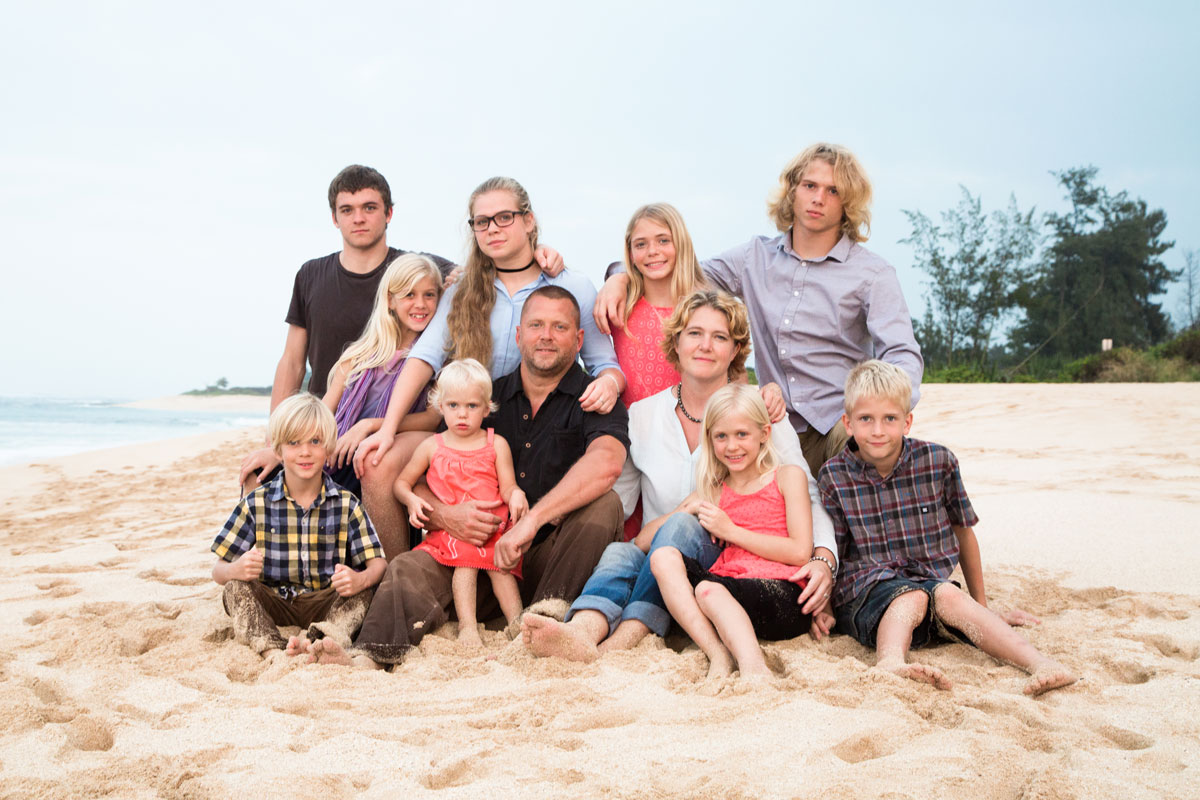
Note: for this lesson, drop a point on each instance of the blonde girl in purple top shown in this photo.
(360, 383)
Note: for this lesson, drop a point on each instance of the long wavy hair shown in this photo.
(854, 189)
(383, 332)
(468, 322)
(735, 398)
(687, 275)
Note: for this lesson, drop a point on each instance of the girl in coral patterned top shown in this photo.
(761, 513)
(466, 463)
(662, 269)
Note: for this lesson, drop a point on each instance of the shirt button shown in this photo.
(792, 378)
(795, 294)
(527, 445)
(787, 322)
(522, 474)
(524, 416)
(782, 351)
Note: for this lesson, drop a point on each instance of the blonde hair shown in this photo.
(686, 275)
(468, 327)
(383, 332)
(466, 373)
(853, 186)
(735, 315)
(878, 379)
(299, 417)
(736, 398)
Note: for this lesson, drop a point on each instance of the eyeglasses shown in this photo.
(503, 219)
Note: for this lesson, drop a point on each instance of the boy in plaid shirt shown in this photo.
(298, 550)
(903, 521)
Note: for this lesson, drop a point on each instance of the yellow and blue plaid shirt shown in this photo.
(300, 546)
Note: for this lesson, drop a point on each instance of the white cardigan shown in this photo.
(662, 471)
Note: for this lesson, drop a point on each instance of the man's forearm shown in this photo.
(591, 476)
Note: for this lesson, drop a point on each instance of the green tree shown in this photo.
(1189, 304)
(976, 264)
(1100, 275)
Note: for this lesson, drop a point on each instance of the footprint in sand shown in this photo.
(1126, 671)
(1126, 740)
(453, 773)
(37, 617)
(601, 718)
(1169, 646)
(162, 576)
(89, 733)
(59, 587)
(61, 569)
(865, 747)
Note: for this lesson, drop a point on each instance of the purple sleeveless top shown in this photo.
(368, 396)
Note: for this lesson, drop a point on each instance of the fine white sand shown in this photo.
(118, 676)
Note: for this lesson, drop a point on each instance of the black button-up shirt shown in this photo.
(545, 446)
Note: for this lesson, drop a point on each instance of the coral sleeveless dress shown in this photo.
(763, 511)
(455, 476)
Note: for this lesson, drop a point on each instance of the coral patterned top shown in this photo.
(762, 512)
(455, 476)
(640, 354)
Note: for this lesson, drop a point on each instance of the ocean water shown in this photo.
(38, 427)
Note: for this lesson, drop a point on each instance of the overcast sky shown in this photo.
(164, 166)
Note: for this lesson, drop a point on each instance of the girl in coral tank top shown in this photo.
(761, 512)
(466, 463)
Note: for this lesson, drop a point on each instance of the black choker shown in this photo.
(679, 404)
(518, 269)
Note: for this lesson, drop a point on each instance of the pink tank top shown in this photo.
(762, 512)
(640, 354)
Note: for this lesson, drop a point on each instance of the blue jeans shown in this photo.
(623, 587)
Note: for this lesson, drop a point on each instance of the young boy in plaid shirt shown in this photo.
(298, 550)
(903, 521)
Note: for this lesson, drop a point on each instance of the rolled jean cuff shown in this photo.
(657, 619)
(592, 602)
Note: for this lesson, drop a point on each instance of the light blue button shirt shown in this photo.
(597, 352)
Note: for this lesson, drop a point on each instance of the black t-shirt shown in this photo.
(545, 446)
(333, 305)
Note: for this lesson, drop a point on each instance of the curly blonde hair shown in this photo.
(853, 186)
(735, 315)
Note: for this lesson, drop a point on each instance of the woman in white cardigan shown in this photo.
(707, 339)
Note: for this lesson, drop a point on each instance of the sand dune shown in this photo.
(119, 676)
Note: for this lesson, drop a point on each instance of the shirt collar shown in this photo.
(277, 492)
(839, 253)
(868, 471)
(572, 383)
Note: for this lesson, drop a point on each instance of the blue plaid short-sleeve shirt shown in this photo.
(899, 526)
(300, 546)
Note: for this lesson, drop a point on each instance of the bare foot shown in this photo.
(757, 674)
(719, 667)
(297, 645)
(468, 636)
(1047, 675)
(549, 637)
(922, 673)
(327, 651)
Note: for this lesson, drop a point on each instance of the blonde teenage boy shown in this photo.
(298, 550)
(903, 521)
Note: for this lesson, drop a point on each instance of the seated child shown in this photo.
(462, 463)
(298, 550)
(760, 511)
(902, 521)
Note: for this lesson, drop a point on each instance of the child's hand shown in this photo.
(418, 511)
(1017, 617)
(518, 504)
(715, 521)
(347, 443)
(248, 566)
(346, 581)
(822, 623)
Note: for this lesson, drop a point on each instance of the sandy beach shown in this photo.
(119, 676)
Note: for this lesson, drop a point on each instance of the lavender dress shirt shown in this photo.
(812, 320)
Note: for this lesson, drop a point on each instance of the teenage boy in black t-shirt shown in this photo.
(332, 296)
